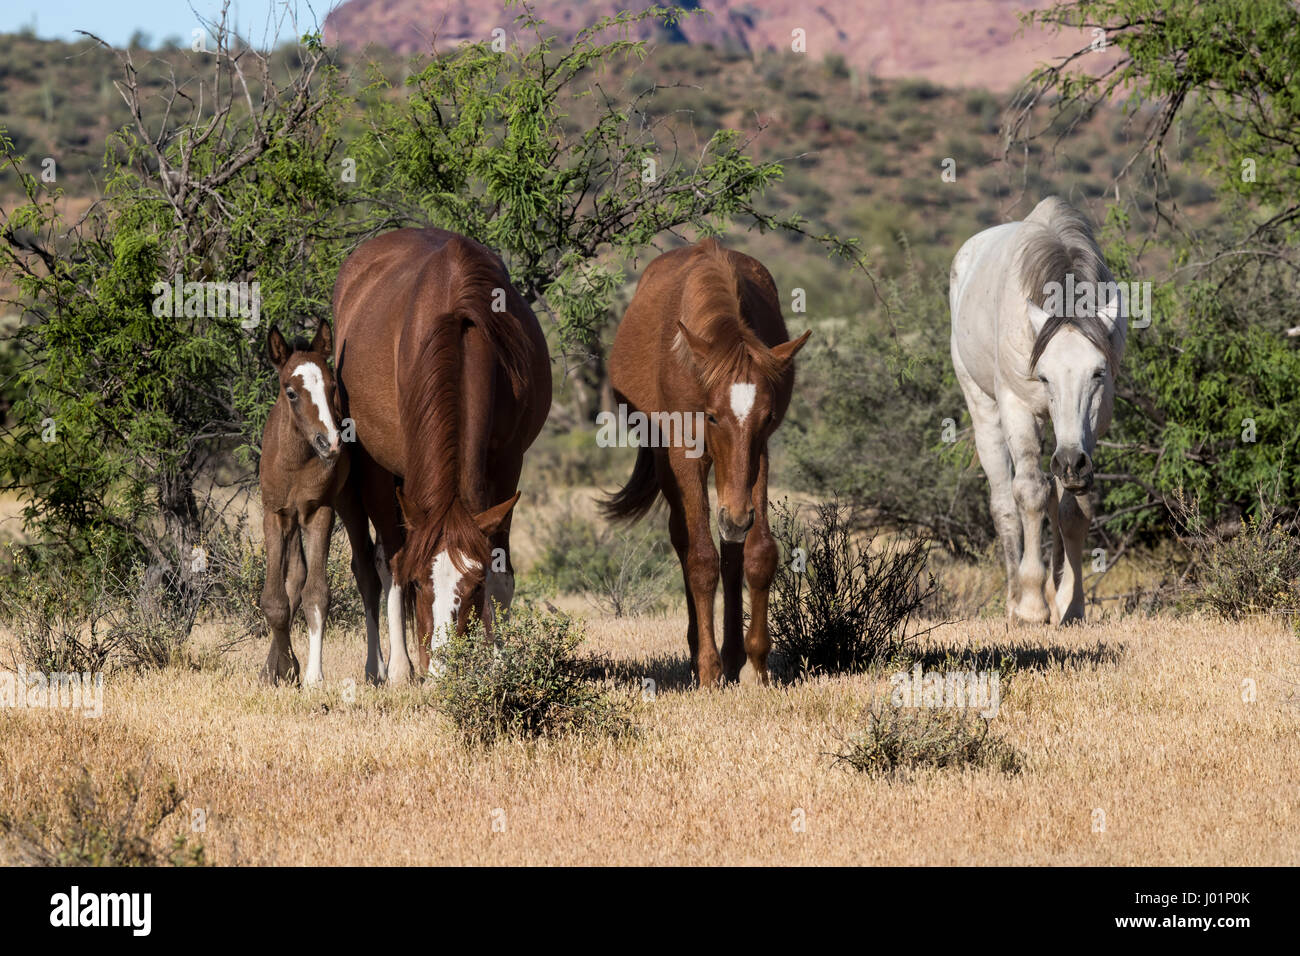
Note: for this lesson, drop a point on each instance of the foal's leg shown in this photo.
(317, 530)
(1031, 492)
(1075, 517)
(684, 483)
(279, 533)
(363, 570)
(761, 556)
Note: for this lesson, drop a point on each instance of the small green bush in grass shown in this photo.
(896, 741)
(528, 683)
(1253, 570)
(840, 605)
(100, 826)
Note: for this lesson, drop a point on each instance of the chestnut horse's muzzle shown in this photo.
(730, 530)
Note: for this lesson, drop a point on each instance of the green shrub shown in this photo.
(62, 620)
(1249, 569)
(526, 684)
(99, 827)
(623, 573)
(838, 605)
(897, 741)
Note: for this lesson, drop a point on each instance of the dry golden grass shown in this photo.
(1141, 718)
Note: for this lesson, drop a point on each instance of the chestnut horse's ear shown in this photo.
(324, 340)
(489, 522)
(788, 350)
(277, 348)
(699, 346)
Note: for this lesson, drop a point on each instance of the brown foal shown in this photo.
(704, 337)
(303, 468)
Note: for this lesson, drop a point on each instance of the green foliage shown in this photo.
(885, 393)
(525, 150)
(1250, 568)
(118, 408)
(838, 604)
(624, 573)
(896, 742)
(1225, 70)
(61, 617)
(527, 684)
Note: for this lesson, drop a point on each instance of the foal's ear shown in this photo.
(324, 339)
(786, 351)
(277, 348)
(490, 521)
(1038, 316)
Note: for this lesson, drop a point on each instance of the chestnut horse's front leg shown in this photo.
(761, 556)
(684, 484)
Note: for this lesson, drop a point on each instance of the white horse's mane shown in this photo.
(1062, 243)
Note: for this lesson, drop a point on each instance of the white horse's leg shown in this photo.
(1031, 491)
(1058, 552)
(991, 445)
(1074, 515)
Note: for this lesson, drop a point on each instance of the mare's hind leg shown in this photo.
(317, 530)
(280, 533)
(357, 526)
(995, 458)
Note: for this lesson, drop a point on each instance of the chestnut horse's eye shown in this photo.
(712, 418)
(293, 396)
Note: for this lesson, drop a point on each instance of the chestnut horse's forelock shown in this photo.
(429, 387)
(711, 309)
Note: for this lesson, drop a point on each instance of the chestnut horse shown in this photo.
(303, 468)
(704, 337)
(445, 373)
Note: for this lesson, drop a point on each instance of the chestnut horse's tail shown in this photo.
(637, 497)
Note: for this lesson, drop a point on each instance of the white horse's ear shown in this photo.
(1110, 312)
(1038, 316)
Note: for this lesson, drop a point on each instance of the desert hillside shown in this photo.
(974, 43)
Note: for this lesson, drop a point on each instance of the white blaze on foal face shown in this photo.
(313, 383)
(742, 400)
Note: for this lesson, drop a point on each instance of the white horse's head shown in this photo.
(1074, 361)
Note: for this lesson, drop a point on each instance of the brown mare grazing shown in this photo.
(302, 470)
(704, 335)
(444, 370)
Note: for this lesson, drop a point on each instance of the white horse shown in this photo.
(1038, 333)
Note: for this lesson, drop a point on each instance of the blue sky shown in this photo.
(116, 20)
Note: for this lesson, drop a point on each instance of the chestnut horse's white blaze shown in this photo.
(1020, 368)
(742, 400)
(446, 579)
